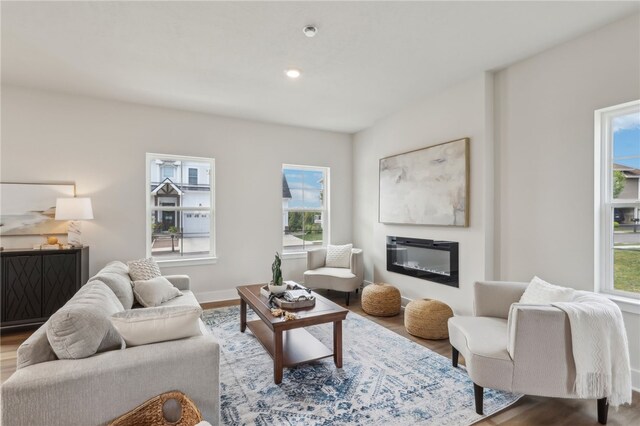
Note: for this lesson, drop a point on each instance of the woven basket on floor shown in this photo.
(382, 300)
(427, 318)
(151, 412)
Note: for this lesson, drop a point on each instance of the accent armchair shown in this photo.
(525, 348)
(318, 275)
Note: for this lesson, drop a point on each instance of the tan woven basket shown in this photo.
(382, 300)
(427, 319)
(151, 412)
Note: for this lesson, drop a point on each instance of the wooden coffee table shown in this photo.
(288, 342)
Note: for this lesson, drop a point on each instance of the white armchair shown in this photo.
(525, 348)
(318, 275)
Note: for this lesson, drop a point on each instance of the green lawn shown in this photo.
(627, 270)
(312, 236)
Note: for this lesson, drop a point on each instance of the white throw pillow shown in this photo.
(540, 292)
(150, 325)
(143, 269)
(153, 292)
(338, 256)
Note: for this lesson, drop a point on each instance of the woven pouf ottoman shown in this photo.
(381, 300)
(427, 318)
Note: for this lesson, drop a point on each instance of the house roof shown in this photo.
(628, 171)
(167, 187)
(286, 192)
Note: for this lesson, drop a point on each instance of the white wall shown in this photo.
(534, 215)
(101, 145)
(545, 156)
(461, 111)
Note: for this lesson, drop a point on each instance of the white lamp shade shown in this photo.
(74, 209)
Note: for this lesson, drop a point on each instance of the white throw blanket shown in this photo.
(600, 348)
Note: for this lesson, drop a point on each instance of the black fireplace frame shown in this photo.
(449, 246)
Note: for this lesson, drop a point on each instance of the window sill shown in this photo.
(171, 263)
(626, 304)
(296, 255)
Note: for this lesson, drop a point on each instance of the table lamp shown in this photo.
(74, 209)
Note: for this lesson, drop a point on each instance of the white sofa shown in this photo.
(319, 276)
(49, 391)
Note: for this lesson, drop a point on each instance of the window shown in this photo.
(180, 218)
(193, 176)
(167, 171)
(618, 199)
(305, 211)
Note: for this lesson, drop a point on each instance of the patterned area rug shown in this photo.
(386, 379)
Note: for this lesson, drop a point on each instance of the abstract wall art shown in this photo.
(428, 186)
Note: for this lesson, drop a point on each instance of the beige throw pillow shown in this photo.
(143, 269)
(339, 256)
(540, 292)
(150, 325)
(153, 292)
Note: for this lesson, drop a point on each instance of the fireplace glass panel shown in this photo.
(426, 259)
(423, 259)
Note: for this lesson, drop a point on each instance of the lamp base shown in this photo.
(74, 234)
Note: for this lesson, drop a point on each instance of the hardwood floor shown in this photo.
(530, 410)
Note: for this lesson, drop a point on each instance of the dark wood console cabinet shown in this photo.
(36, 283)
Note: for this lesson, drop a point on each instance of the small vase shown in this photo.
(277, 289)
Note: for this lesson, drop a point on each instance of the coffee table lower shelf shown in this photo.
(298, 345)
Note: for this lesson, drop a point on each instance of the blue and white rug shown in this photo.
(386, 379)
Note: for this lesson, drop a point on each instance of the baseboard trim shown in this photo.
(217, 295)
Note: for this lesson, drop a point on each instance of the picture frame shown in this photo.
(29, 208)
(426, 186)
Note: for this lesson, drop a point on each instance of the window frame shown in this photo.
(184, 261)
(325, 210)
(605, 205)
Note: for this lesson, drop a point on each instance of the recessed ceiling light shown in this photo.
(293, 73)
(310, 30)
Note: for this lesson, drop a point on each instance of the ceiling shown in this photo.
(368, 59)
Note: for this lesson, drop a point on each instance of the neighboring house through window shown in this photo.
(305, 211)
(618, 199)
(180, 217)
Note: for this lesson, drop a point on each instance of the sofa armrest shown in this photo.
(98, 389)
(494, 298)
(316, 258)
(181, 282)
(357, 264)
(539, 342)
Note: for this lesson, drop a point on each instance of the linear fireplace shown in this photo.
(431, 260)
